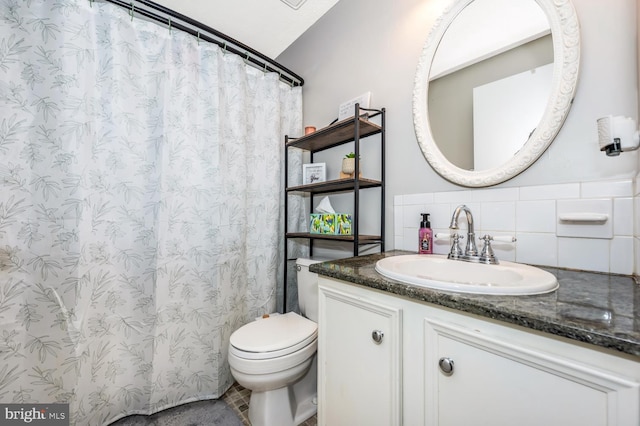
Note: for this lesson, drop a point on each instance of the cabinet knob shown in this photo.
(446, 365)
(377, 336)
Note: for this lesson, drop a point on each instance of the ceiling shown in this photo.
(268, 26)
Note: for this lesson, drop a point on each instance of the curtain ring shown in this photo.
(224, 48)
(246, 60)
(133, 10)
(198, 37)
(169, 24)
(91, 3)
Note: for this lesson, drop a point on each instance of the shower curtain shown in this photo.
(140, 208)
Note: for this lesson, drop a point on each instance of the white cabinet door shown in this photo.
(495, 383)
(359, 361)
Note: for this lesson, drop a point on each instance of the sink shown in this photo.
(438, 272)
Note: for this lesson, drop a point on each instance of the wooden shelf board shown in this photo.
(362, 239)
(336, 134)
(335, 186)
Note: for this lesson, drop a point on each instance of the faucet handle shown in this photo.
(456, 251)
(486, 254)
(446, 236)
(505, 239)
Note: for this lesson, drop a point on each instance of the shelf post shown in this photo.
(356, 182)
(286, 224)
(382, 178)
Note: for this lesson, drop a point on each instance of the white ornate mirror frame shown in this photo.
(566, 47)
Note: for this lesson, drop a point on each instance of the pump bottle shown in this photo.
(425, 236)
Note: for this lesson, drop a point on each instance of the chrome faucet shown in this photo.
(471, 250)
(470, 253)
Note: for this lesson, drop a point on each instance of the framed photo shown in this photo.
(313, 173)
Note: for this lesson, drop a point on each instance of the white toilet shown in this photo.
(275, 358)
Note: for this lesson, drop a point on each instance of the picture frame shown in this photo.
(314, 173)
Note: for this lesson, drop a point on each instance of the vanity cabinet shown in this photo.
(494, 382)
(359, 366)
(460, 369)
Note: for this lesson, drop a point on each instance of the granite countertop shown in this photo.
(595, 308)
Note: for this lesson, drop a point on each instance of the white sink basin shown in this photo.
(438, 272)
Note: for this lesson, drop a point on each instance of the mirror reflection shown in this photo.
(490, 82)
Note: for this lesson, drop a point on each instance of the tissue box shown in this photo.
(330, 223)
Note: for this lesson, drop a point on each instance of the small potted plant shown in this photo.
(349, 165)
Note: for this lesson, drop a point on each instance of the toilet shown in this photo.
(275, 358)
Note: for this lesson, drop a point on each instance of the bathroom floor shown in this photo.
(204, 413)
(237, 398)
(199, 413)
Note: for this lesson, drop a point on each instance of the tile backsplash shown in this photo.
(533, 215)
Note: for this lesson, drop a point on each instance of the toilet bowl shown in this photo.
(275, 358)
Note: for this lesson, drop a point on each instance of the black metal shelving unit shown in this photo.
(352, 129)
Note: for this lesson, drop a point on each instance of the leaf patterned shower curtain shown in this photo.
(140, 208)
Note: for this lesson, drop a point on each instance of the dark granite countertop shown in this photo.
(595, 308)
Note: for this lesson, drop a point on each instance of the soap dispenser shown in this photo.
(425, 235)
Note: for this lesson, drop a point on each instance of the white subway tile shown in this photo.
(636, 218)
(441, 245)
(398, 220)
(440, 215)
(499, 216)
(398, 242)
(584, 254)
(460, 197)
(496, 194)
(622, 188)
(622, 257)
(636, 247)
(574, 208)
(550, 192)
(503, 251)
(410, 239)
(411, 215)
(531, 214)
(623, 216)
(537, 249)
(418, 199)
(536, 216)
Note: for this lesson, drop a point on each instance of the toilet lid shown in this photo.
(274, 333)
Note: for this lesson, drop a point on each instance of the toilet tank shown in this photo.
(307, 288)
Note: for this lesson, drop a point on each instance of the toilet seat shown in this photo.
(273, 337)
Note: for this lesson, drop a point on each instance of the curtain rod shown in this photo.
(176, 20)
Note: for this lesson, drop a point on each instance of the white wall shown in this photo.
(636, 222)
(374, 45)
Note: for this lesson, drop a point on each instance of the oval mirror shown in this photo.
(493, 86)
